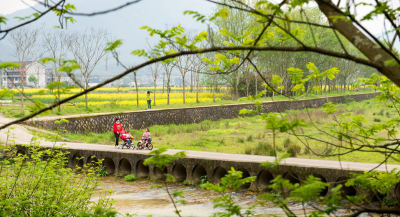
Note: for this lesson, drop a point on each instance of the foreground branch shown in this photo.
(182, 53)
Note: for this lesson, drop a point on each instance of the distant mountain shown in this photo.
(124, 24)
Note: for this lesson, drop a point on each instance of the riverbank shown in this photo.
(142, 199)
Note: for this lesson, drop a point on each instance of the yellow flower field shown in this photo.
(97, 99)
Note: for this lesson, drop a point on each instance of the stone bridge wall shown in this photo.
(100, 123)
(193, 170)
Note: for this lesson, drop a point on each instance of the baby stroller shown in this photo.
(128, 140)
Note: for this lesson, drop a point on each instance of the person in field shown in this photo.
(148, 100)
(117, 127)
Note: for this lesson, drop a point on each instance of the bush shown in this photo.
(287, 142)
(249, 138)
(32, 186)
(240, 140)
(102, 172)
(261, 149)
(293, 150)
(377, 120)
(130, 178)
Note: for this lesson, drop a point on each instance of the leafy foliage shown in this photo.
(31, 186)
(230, 182)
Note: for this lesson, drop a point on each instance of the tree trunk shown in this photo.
(155, 89)
(168, 89)
(22, 96)
(58, 98)
(247, 86)
(256, 84)
(197, 86)
(163, 82)
(237, 85)
(191, 81)
(364, 44)
(86, 96)
(137, 90)
(183, 87)
(214, 86)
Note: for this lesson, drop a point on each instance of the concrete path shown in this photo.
(20, 135)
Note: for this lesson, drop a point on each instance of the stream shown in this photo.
(143, 199)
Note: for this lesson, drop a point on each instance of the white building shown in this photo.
(32, 73)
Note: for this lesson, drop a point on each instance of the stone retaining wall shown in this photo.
(141, 119)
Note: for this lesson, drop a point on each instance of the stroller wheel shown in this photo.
(139, 145)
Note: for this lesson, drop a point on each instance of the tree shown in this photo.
(33, 79)
(136, 87)
(275, 20)
(154, 73)
(184, 64)
(56, 88)
(56, 48)
(88, 49)
(24, 42)
(168, 67)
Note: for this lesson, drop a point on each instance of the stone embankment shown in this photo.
(100, 123)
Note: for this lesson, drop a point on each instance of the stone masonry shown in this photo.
(100, 123)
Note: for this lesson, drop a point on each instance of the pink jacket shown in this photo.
(146, 135)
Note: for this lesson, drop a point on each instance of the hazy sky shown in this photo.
(10, 6)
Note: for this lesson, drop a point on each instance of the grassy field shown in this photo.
(249, 135)
(112, 100)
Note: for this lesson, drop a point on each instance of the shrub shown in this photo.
(287, 142)
(249, 138)
(377, 120)
(32, 186)
(293, 150)
(261, 149)
(102, 172)
(130, 178)
(248, 150)
(240, 140)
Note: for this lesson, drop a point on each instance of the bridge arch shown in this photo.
(158, 174)
(198, 173)
(142, 171)
(292, 177)
(92, 160)
(124, 167)
(323, 179)
(179, 172)
(347, 190)
(264, 179)
(218, 173)
(396, 192)
(77, 161)
(245, 174)
(109, 165)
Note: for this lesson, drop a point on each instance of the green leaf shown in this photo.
(113, 45)
(9, 65)
(3, 19)
(223, 13)
(46, 60)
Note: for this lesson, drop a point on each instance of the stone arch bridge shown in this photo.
(198, 165)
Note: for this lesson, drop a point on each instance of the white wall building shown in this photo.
(11, 78)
